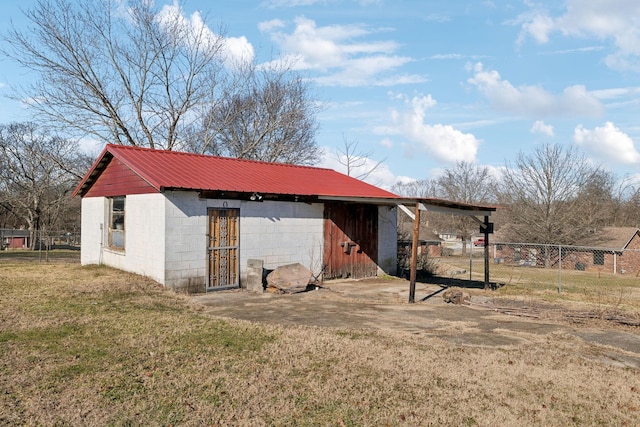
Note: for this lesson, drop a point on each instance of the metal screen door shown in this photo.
(223, 248)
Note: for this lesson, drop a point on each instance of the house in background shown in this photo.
(14, 239)
(191, 222)
(609, 249)
(429, 243)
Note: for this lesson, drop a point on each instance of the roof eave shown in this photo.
(631, 238)
(389, 201)
(84, 183)
(433, 205)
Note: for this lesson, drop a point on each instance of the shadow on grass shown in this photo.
(59, 255)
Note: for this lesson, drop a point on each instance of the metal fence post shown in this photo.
(470, 248)
(559, 268)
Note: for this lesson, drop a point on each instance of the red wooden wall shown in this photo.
(356, 226)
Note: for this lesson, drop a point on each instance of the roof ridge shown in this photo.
(209, 156)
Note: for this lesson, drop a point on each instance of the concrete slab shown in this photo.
(382, 304)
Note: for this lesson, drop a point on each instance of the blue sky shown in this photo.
(423, 84)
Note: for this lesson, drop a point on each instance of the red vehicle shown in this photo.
(478, 242)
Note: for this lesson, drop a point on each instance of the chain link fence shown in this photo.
(44, 239)
(558, 267)
(58, 239)
(48, 246)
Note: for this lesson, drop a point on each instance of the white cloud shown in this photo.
(90, 146)
(447, 56)
(443, 142)
(340, 52)
(236, 49)
(363, 71)
(387, 142)
(272, 4)
(542, 128)
(533, 100)
(434, 17)
(268, 26)
(615, 93)
(456, 56)
(538, 28)
(608, 143)
(576, 50)
(614, 20)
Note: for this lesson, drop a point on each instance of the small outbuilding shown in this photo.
(14, 239)
(192, 222)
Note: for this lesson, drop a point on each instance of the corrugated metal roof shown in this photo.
(12, 232)
(187, 171)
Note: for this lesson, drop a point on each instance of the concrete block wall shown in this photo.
(92, 223)
(144, 229)
(144, 235)
(186, 239)
(277, 233)
(166, 236)
(143, 226)
(280, 233)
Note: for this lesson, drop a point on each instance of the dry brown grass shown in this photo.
(596, 291)
(95, 346)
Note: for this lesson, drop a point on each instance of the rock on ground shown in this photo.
(456, 296)
(289, 278)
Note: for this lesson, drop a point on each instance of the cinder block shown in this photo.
(254, 271)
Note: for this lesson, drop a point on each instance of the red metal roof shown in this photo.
(187, 171)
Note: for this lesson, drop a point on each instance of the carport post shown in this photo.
(486, 252)
(414, 254)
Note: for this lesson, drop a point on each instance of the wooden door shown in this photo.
(222, 249)
(350, 240)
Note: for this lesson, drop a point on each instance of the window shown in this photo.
(116, 222)
(598, 258)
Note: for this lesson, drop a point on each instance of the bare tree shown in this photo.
(357, 162)
(123, 72)
(599, 204)
(631, 209)
(543, 192)
(127, 72)
(465, 183)
(37, 174)
(626, 203)
(265, 114)
(421, 188)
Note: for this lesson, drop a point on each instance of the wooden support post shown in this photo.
(414, 254)
(486, 252)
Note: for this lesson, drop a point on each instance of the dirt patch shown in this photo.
(378, 304)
